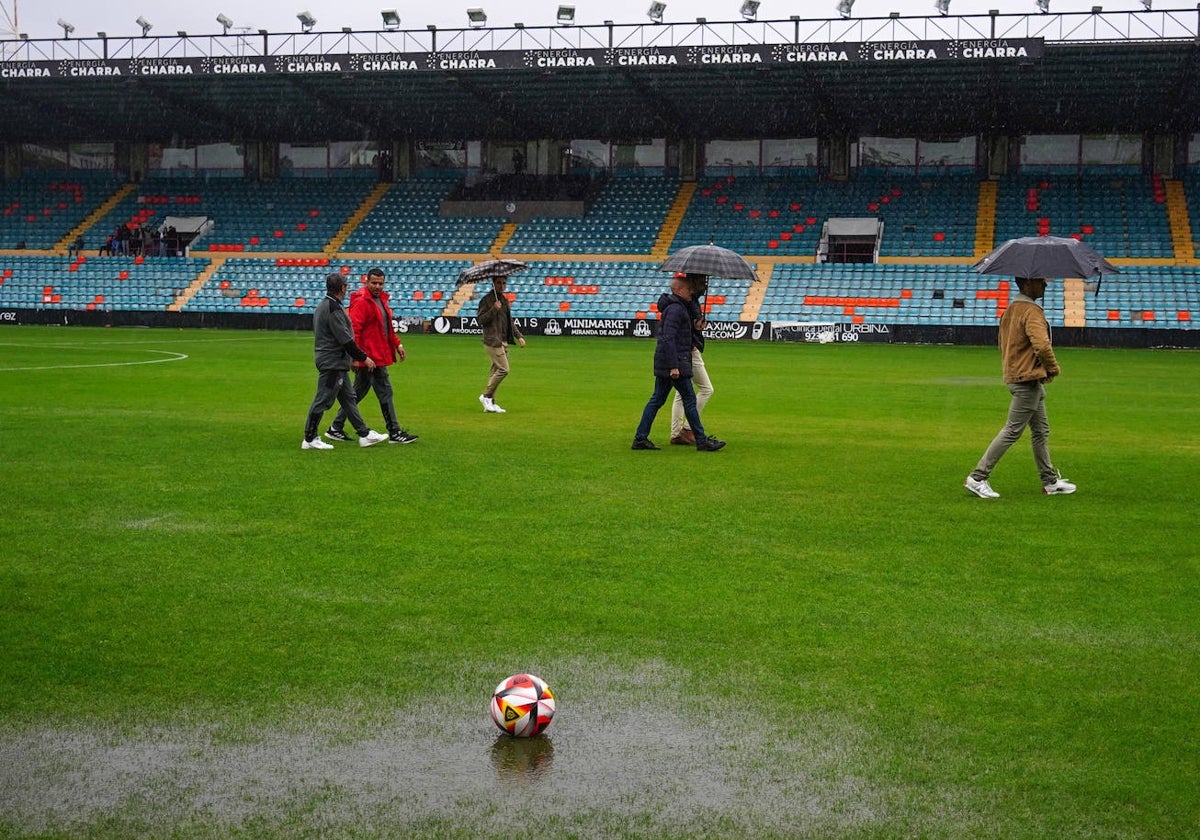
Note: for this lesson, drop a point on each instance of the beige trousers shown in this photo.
(704, 389)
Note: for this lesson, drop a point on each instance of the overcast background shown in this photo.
(38, 18)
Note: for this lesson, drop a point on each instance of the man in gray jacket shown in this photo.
(333, 350)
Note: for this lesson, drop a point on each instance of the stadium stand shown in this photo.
(89, 283)
(408, 219)
(783, 215)
(625, 219)
(41, 208)
(418, 288)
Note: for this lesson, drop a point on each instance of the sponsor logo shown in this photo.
(553, 327)
(642, 329)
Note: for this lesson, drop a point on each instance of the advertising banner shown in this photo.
(350, 64)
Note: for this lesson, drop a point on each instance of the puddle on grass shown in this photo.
(623, 757)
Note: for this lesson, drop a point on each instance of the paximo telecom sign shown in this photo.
(754, 55)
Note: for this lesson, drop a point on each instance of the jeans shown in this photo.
(662, 390)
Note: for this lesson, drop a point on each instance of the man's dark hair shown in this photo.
(375, 272)
(334, 283)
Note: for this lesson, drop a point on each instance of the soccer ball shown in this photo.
(522, 705)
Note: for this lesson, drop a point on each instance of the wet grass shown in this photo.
(813, 633)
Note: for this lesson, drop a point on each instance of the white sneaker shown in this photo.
(371, 438)
(486, 402)
(495, 409)
(1060, 486)
(981, 488)
(315, 443)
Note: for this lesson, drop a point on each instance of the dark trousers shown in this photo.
(662, 390)
(366, 380)
(333, 385)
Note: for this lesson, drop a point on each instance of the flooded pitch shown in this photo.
(625, 756)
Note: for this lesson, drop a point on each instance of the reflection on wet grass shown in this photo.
(522, 761)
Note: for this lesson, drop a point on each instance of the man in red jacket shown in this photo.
(371, 318)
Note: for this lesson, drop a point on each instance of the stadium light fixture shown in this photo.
(655, 12)
(307, 21)
(1097, 9)
(844, 7)
(66, 28)
(182, 33)
(391, 18)
(225, 22)
(943, 7)
(1146, 5)
(477, 18)
(145, 24)
(749, 9)
(566, 15)
(101, 34)
(1044, 6)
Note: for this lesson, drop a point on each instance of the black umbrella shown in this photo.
(1046, 256)
(711, 261)
(490, 269)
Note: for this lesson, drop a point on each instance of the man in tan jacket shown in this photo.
(1028, 358)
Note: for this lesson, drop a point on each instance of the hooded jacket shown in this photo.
(373, 330)
(674, 348)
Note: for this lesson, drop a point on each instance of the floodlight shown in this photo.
(1097, 9)
(145, 24)
(750, 9)
(1043, 6)
(101, 34)
(566, 15)
(655, 12)
(1146, 4)
(66, 28)
(225, 22)
(181, 33)
(943, 7)
(391, 19)
(844, 7)
(307, 21)
(477, 18)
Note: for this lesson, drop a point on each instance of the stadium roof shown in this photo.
(928, 86)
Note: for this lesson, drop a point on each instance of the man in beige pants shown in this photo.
(499, 331)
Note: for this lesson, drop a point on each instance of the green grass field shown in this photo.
(816, 632)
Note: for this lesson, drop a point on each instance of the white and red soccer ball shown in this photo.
(522, 705)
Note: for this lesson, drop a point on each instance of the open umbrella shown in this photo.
(489, 269)
(1046, 256)
(711, 261)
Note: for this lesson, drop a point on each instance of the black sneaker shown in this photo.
(709, 444)
(336, 434)
(402, 436)
(643, 443)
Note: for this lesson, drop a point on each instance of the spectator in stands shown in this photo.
(333, 349)
(681, 432)
(1028, 363)
(76, 247)
(499, 331)
(673, 368)
(107, 247)
(371, 318)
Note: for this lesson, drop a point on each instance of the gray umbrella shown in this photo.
(489, 269)
(1045, 256)
(711, 261)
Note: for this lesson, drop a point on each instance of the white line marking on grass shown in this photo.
(171, 357)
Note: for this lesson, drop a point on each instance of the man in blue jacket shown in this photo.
(673, 368)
